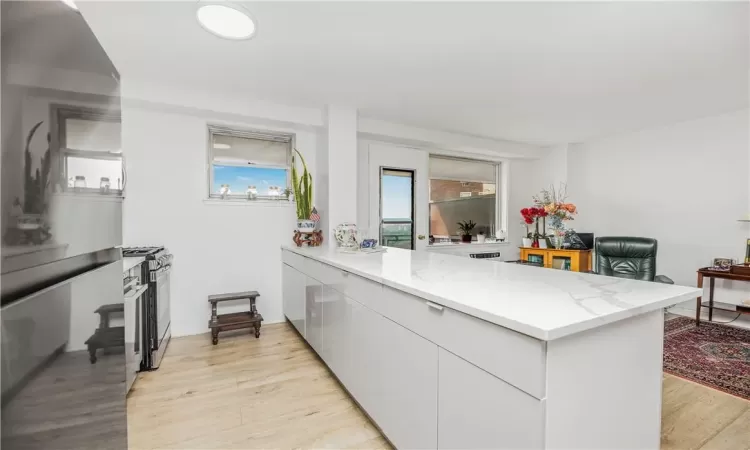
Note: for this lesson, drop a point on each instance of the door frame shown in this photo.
(413, 203)
(398, 157)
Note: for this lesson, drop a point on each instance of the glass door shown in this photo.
(561, 262)
(397, 208)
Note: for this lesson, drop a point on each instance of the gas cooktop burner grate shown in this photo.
(141, 251)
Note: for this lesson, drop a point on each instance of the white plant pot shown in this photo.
(306, 225)
(526, 242)
(481, 238)
(542, 243)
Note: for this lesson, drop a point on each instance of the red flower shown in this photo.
(528, 220)
(525, 212)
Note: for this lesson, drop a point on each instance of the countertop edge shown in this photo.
(129, 262)
(523, 328)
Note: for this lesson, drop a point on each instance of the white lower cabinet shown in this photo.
(480, 411)
(293, 296)
(421, 395)
(335, 331)
(394, 378)
(314, 314)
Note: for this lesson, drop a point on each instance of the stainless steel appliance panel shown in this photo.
(53, 396)
(134, 296)
(61, 324)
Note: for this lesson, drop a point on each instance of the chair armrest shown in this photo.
(663, 279)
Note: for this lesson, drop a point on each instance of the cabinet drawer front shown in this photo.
(362, 290)
(328, 275)
(293, 260)
(516, 358)
(355, 287)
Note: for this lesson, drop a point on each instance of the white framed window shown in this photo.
(248, 165)
(463, 190)
(89, 149)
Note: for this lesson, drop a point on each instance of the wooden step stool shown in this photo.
(105, 336)
(234, 321)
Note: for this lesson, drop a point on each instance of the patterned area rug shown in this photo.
(714, 355)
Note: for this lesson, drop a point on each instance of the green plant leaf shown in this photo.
(302, 186)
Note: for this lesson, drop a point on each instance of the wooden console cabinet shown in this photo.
(576, 260)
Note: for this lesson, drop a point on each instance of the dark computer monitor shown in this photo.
(588, 239)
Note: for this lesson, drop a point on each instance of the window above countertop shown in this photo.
(250, 166)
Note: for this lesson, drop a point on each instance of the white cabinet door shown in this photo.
(480, 411)
(394, 378)
(335, 333)
(314, 314)
(293, 296)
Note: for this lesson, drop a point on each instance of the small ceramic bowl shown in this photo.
(369, 243)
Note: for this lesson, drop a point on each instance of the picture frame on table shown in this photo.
(722, 263)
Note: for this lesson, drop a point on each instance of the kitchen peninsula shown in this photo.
(450, 352)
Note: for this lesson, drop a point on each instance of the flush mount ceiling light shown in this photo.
(71, 4)
(226, 20)
(222, 146)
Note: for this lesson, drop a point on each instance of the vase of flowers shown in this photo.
(557, 210)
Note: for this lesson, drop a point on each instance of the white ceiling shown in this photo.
(533, 72)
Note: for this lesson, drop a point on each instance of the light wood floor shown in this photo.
(274, 393)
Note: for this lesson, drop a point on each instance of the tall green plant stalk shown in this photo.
(302, 186)
(35, 185)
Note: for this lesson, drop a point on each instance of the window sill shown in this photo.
(466, 244)
(243, 202)
(92, 195)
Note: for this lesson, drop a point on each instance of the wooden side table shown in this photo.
(712, 275)
(580, 260)
(233, 321)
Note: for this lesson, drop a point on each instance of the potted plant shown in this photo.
(466, 228)
(531, 216)
(527, 240)
(302, 187)
(481, 237)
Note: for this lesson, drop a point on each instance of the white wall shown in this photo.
(683, 184)
(551, 168)
(341, 154)
(523, 184)
(218, 247)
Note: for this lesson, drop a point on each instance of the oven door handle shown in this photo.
(162, 270)
(136, 292)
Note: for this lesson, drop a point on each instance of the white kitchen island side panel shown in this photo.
(604, 386)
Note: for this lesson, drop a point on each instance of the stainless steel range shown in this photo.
(156, 302)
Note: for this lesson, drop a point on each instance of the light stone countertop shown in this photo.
(546, 304)
(129, 263)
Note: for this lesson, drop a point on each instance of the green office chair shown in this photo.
(628, 257)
